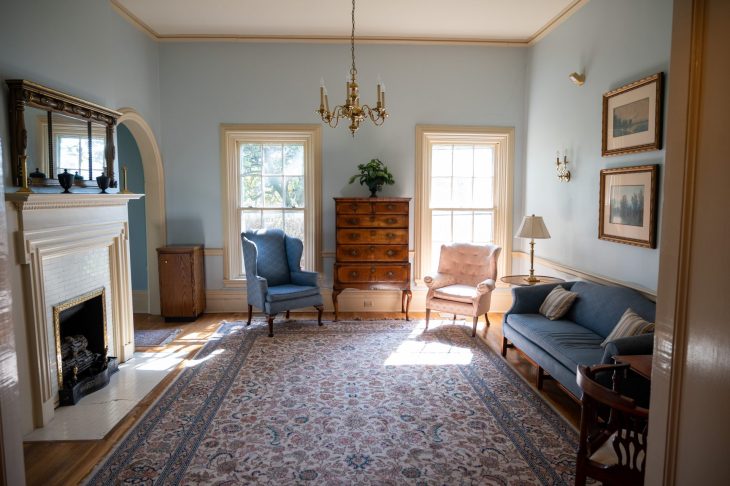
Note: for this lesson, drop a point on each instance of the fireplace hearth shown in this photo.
(82, 346)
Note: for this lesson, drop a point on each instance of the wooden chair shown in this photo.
(613, 429)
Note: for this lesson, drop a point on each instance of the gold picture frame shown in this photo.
(632, 117)
(627, 210)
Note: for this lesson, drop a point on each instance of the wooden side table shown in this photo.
(522, 281)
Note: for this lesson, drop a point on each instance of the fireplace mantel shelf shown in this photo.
(26, 201)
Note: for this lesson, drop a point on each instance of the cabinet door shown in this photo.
(176, 293)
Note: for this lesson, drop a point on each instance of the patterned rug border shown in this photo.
(184, 453)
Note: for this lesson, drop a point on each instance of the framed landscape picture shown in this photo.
(627, 208)
(632, 117)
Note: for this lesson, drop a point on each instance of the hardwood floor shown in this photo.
(67, 463)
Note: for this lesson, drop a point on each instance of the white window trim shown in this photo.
(231, 136)
(503, 139)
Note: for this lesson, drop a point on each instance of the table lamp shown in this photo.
(532, 227)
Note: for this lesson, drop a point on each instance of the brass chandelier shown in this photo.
(352, 109)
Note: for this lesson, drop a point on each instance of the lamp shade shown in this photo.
(533, 227)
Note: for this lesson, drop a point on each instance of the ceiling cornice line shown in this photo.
(309, 39)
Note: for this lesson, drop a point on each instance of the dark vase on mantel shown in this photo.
(103, 182)
(66, 180)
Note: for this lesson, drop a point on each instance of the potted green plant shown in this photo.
(373, 174)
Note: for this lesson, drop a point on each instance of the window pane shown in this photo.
(293, 159)
(441, 226)
(250, 220)
(483, 162)
(484, 227)
(69, 153)
(436, 253)
(463, 226)
(462, 192)
(251, 158)
(273, 192)
(251, 194)
(464, 160)
(294, 224)
(441, 192)
(294, 192)
(441, 160)
(483, 192)
(273, 219)
(272, 159)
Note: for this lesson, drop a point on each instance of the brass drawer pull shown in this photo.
(372, 269)
(353, 206)
(390, 236)
(390, 274)
(371, 248)
(353, 274)
(391, 221)
(354, 253)
(390, 252)
(354, 236)
(390, 206)
(353, 221)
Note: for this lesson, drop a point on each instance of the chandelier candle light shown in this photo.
(532, 227)
(352, 109)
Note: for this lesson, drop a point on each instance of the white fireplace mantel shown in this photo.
(65, 244)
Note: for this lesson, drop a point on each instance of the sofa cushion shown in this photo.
(567, 342)
(630, 324)
(599, 307)
(557, 303)
(457, 292)
(287, 292)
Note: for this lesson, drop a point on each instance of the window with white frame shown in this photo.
(271, 180)
(463, 191)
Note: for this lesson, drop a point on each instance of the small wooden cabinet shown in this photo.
(182, 281)
(372, 246)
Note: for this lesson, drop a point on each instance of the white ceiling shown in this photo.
(396, 20)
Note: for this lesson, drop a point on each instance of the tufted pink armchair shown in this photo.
(463, 285)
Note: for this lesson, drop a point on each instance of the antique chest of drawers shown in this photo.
(372, 246)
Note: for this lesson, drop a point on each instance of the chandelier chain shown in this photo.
(353, 69)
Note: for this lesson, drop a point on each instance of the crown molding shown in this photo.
(308, 39)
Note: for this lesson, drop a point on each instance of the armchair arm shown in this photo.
(641, 344)
(438, 280)
(304, 278)
(486, 286)
(527, 300)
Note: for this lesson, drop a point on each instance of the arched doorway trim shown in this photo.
(154, 189)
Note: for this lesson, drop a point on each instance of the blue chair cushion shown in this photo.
(599, 307)
(271, 262)
(280, 293)
(567, 342)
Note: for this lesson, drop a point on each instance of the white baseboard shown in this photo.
(351, 300)
(140, 302)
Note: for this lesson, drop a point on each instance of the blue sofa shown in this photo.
(558, 347)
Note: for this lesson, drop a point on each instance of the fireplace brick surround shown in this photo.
(65, 245)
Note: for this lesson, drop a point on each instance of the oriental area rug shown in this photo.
(357, 402)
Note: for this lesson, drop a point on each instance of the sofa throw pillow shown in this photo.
(630, 324)
(557, 303)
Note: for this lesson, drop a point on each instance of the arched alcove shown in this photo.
(154, 189)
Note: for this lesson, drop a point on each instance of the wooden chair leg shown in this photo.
(250, 313)
(504, 347)
(271, 324)
(474, 328)
(454, 319)
(540, 377)
(319, 308)
(428, 316)
(486, 318)
(287, 314)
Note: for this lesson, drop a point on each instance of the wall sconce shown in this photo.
(562, 168)
(577, 78)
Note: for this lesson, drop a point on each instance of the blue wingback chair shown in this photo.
(275, 279)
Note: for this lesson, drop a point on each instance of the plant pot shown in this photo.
(375, 188)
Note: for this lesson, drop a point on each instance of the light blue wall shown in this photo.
(128, 155)
(83, 48)
(614, 42)
(206, 84)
